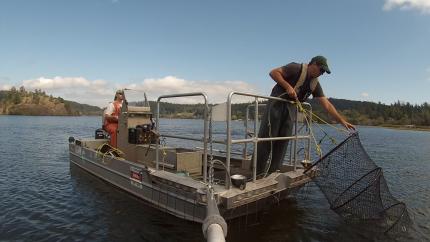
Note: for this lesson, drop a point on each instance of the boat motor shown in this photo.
(100, 134)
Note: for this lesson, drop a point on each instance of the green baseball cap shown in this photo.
(321, 61)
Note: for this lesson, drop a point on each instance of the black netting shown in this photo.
(356, 188)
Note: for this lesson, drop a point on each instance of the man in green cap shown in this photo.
(295, 82)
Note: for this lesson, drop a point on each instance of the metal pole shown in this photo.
(205, 139)
(245, 156)
(308, 158)
(205, 127)
(228, 141)
(254, 168)
(295, 139)
(215, 233)
(157, 127)
(290, 149)
(182, 137)
(237, 141)
(214, 226)
(245, 153)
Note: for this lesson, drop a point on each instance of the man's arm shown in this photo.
(333, 112)
(276, 75)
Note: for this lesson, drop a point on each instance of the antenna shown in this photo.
(146, 100)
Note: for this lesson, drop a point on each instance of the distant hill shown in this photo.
(22, 102)
(37, 103)
(370, 113)
(357, 112)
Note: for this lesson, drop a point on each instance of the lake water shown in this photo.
(44, 198)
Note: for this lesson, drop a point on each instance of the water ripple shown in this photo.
(44, 198)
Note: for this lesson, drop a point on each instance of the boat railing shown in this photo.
(255, 139)
(229, 141)
(203, 139)
(249, 134)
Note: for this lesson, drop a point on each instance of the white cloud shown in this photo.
(59, 82)
(5, 87)
(78, 89)
(364, 94)
(216, 91)
(100, 92)
(422, 5)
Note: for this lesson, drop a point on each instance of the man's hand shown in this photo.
(325, 103)
(347, 125)
(276, 75)
(291, 93)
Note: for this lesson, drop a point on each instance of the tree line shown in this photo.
(370, 113)
(357, 112)
(16, 96)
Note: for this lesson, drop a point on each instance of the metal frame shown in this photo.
(245, 147)
(204, 139)
(255, 139)
(229, 141)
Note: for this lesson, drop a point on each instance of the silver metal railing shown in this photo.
(228, 142)
(204, 139)
(245, 141)
(255, 139)
(245, 147)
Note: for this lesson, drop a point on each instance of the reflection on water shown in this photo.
(43, 197)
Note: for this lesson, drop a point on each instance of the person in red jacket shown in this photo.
(111, 117)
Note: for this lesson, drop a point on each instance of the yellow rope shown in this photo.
(307, 113)
(300, 107)
(333, 140)
(318, 147)
(331, 125)
(103, 155)
(98, 152)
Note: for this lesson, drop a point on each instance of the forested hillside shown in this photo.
(38, 103)
(369, 113)
(358, 112)
(22, 102)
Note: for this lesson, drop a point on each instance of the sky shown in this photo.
(378, 50)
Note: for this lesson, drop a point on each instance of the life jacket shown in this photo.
(313, 83)
(117, 109)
